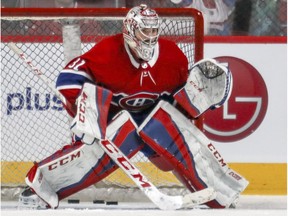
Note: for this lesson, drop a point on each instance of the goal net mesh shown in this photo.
(33, 122)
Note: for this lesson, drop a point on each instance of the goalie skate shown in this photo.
(29, 200)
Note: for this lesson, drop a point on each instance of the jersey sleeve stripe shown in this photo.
(71, 79)
(82, 73)
(69, 87)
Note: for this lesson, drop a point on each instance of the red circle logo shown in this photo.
(245, 110)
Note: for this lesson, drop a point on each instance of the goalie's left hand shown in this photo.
(208, 87)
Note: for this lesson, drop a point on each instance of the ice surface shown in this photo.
(72, 212)
(247, 206)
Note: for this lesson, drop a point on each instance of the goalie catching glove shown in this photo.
(208, 87)
(92, 98)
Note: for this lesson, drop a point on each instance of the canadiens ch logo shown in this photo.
(139, 101)
(246, 108)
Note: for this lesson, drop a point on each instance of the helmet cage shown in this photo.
(148, 36)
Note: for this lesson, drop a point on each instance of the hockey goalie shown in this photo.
(135, 90)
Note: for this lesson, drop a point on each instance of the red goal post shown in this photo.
(34, 124)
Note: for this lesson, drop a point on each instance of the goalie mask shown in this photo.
(141, 31)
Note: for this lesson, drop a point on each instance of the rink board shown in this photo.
(264, 178)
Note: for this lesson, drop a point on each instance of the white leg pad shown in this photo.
(210, 166)
(43, 189)
(71, 166)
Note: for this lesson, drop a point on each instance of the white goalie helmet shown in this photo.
(142, 30)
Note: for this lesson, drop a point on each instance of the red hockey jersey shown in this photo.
(135, 85)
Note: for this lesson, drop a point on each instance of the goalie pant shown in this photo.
(179, 147)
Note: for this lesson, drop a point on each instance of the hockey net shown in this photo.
(34, 124)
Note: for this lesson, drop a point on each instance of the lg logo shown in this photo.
(245, 110)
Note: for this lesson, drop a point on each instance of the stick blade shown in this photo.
(191, 200)
(198, 198)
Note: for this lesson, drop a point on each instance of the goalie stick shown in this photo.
(163, 201)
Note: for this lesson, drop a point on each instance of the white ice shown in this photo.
(247, 206)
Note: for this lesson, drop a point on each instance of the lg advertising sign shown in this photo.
(243, 113)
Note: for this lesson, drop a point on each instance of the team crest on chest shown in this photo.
(139, 101)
